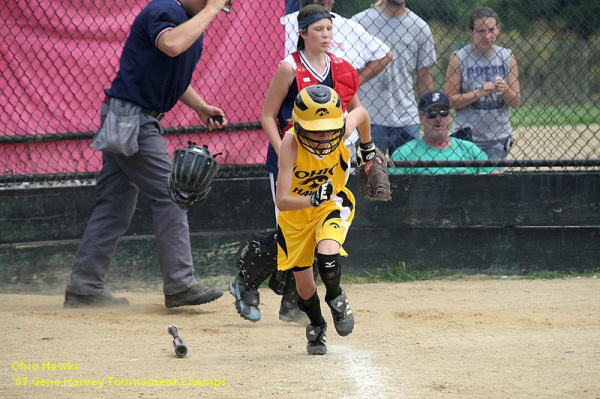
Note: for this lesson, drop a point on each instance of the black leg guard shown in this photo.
(257, 259)
(312, 308)
(331, 274)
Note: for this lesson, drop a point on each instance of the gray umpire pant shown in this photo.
(119, 182)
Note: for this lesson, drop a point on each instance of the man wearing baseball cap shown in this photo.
(436, 144)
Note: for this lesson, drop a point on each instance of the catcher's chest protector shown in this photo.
(345, 78)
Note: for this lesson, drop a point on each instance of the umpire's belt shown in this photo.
(154, 114)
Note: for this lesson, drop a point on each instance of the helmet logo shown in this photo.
(322, 112)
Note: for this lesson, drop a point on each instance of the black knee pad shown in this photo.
(329, 266)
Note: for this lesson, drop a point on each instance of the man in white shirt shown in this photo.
(389, 97)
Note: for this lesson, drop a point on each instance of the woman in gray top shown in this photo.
(482, 82)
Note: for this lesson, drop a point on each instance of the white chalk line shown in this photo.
(370, 380)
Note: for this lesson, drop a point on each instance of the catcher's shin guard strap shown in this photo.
(281, 281)
(257, 261)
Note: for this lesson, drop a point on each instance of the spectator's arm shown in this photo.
(424, 81)
(512, 95)
(374, 56)
(374, 68)
(425, 59)
(454, 82)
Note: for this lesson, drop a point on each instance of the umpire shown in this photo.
(156, 67)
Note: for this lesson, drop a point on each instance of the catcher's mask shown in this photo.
(318, 110)
(193, 170)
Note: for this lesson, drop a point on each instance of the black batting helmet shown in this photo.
(318, 109)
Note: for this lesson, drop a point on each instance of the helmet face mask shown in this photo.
(317, 146)
(318, 111)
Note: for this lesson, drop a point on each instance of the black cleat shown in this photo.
(317, 339)
(195, 295)
(289, 311)
(343, 318)
(103, 299)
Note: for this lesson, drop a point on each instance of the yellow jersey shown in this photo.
(301, 230)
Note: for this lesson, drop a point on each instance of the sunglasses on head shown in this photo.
(433, 113)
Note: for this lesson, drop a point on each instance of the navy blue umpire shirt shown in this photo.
(147, 76)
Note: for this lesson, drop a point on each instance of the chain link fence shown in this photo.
(57, 57)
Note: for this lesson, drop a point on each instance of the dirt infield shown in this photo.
(556, 142)
(472, 338)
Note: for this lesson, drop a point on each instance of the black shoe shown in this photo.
(103, 299)
(195, 295)
(288, 310)
(343, 319)
(317, 339)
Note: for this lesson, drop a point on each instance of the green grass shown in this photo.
(399, 272)
(551, 115)
(396, 272)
